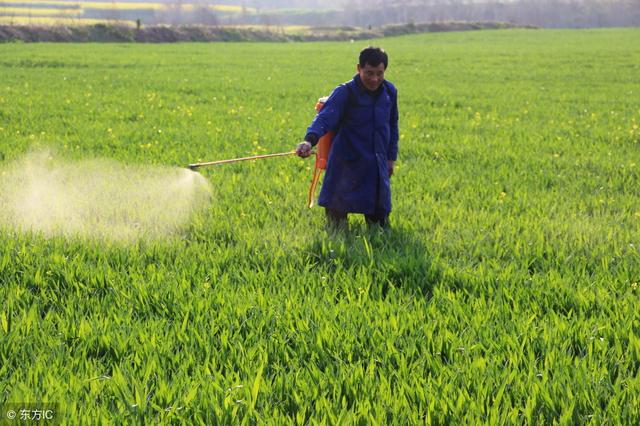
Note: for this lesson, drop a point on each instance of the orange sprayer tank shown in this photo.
(324, 143)
(322, 156)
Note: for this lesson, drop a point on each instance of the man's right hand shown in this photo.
(303, 149)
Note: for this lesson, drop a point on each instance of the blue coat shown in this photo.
(366, 126)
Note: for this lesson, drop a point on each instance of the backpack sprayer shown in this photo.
(322, 155)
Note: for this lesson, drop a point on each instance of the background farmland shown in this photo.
(505, 292)
(278, 15)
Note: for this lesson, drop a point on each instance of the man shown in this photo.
(364, 114)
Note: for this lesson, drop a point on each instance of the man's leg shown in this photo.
(381, 219)
(336, 219)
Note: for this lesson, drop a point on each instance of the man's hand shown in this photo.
(303, 149)
(390, 165)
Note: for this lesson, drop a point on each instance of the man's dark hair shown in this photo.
(373, 56)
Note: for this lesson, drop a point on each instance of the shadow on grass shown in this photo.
(383, 259)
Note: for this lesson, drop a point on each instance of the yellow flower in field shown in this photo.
(634, 286)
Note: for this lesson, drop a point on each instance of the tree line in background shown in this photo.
(541, 13)
(374, 13)
(364, 14)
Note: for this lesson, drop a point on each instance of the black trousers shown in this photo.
(338, 219)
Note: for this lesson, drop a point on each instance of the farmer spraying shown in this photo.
(363, 113)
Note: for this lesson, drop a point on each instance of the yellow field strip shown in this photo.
(49, 21)
(37, 11)
(52, 20)
(129, 5)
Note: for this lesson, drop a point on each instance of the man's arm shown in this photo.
(326, 120)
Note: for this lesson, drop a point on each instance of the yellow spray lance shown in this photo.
(235, 160)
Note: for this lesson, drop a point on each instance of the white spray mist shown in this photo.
(98, 198)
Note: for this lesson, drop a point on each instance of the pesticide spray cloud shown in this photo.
(98, 198)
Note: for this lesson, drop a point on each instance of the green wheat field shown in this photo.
(506, 291)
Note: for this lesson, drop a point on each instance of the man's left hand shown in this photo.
(390, 165)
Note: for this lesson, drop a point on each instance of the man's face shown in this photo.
(371, 77)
